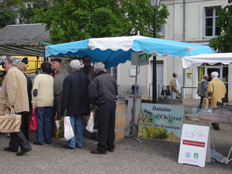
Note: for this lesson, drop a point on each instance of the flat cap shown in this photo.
(56, 59)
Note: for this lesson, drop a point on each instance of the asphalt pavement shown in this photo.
(130, 156)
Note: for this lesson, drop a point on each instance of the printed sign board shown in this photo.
(139, 59)
(161, 122)
(189, 75)
(194, 145)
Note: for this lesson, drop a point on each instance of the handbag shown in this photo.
(33, 122)
(10, 122)
(64, 128)
(91, 124)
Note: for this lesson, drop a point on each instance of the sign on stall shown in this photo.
(194, 145)
(139, 59)
(161, 122)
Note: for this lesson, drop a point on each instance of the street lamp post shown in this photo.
(154, 4)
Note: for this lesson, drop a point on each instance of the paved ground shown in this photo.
(150, 156)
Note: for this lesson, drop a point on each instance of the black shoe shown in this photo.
(79, 146)
(68, 147)
(37, 143)
(10, 150)
(97, 152)
(110, 150)
(22, 152)
(215, 126)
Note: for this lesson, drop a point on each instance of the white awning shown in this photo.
(224, 58)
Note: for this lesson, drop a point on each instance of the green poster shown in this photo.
(162, 122)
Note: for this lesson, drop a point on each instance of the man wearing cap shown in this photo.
(59, 75)
(88, 68)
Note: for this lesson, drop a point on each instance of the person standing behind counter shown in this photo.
(88, 68)
(102, 92)
(59, 75)
(217, 91)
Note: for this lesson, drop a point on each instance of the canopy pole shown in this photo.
(154, 84)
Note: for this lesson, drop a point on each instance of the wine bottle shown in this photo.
(162, 93)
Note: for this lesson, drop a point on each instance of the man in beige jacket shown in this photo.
(174, 85)
(14, 95)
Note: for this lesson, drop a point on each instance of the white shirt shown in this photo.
(177, 84)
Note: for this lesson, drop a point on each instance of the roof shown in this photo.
(23, 40)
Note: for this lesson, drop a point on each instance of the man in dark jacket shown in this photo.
(102, 92)
(75, 100)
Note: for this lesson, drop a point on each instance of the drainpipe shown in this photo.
(183, 41)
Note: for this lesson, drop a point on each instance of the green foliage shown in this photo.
(72, 20)
(223, 43)
(7, 18)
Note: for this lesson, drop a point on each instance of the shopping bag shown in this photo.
(91, 124)
(33, 122)
(68, 131)
(60, 128)
(10, 122)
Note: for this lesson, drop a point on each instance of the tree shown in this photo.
(223, 43)
(7, 17)
(72, 20)
(26, 14)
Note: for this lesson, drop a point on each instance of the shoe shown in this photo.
(97, 152)
(68, 147)
(37, 143)
(47, 143)
(79, 146)
(215, 126)
(9, 150)
(110, 150)
(22, 152)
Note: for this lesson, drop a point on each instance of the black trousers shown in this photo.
(55, 111)
(106, 126)
(24, 124)
(18, 139)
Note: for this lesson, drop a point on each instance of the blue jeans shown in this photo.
(78, 121)
(43, 117)
(200, 105)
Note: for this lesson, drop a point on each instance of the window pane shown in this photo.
(209, 31)
(217, 32)
(225, 74)
(209, 12)
(209, 22)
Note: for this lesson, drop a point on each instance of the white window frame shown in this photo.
(111, 72)
(214, 21)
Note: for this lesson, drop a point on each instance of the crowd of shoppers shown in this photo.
(53, 93)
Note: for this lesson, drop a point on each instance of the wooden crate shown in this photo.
(215, 117)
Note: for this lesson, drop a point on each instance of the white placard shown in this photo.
(194, 144)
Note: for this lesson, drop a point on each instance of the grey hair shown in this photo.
(75, 64)
(11, 60)
(99, 66)
(206, 75)
(214, 74)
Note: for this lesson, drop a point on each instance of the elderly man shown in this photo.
(14, 95)
(88, 69)
(102, 92)
(75, 101)
(174, 85)
(59, 75)
(202, 90)
(216, 90)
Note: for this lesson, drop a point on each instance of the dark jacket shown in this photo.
(75, 94)
(29, 88)
(102, 89)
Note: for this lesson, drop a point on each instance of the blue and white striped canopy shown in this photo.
(115, 50)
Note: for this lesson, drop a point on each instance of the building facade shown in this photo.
(192, 21)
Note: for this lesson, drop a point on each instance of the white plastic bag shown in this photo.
(90, 124)
(68, 131)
